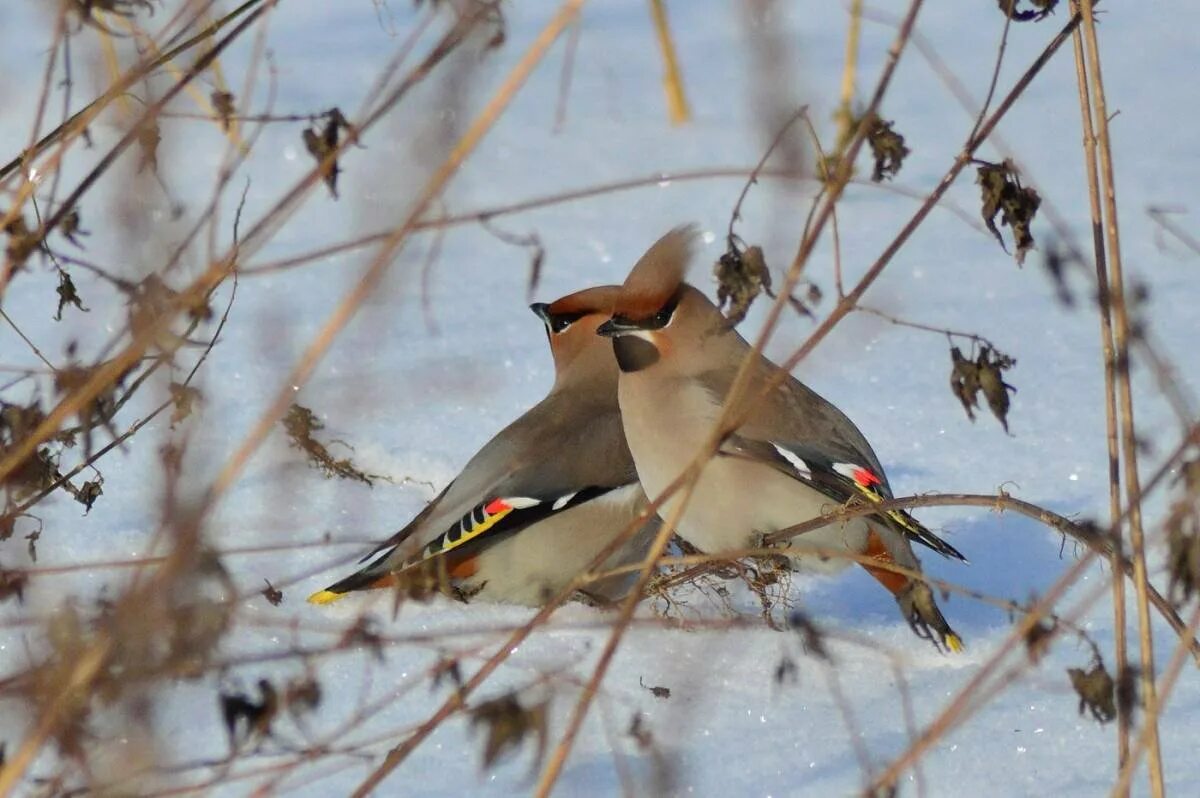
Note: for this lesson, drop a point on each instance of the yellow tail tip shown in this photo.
(953, 642)
(324, 597)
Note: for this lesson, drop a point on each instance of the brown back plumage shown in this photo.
(657, 274)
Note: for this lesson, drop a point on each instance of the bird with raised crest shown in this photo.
(792, 457)
(542, 499)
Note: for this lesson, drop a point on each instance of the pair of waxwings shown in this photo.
(549, 494)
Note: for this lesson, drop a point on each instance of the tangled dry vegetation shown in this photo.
(94, 669)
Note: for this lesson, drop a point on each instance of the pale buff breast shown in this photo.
(735, 501)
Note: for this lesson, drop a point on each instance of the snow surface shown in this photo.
(416, 392)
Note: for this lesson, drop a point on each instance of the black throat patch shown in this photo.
(634, 353)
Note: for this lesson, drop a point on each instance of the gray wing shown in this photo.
(565, 449)
(796, 431)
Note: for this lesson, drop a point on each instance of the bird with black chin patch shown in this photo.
(793, 457)
(541, 500)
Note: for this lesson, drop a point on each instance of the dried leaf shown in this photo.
(183, 397)
(1016, 205)
(991, 364)
(888, 148)
(447, 668)
(362, 632)
(658, 692)
(964, 381)
(272, 594)
(69, 227)
(301, 423)
(22, 241)
(1038, 640)
(12, 583)
(1056, 262)
(508, 724)
(258, 715)
(148, 139)
(1096, 692)
(33, 537)
(223, 104)
(811, 636)
(968, 378)
(639, 732)
(742, 275)
(1183, 537)
(303, 696)
(67, 295)
(322, 144)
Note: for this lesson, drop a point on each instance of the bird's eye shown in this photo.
(664, 316)
(559, 322)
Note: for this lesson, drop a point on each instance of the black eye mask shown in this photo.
(557, 322)
(656, 322)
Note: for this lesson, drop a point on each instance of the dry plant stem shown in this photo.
(752, 179)
(28, 342)
(958, 708)
(89, 665)
(833, 219)
(1002, 501)
(564, 78)
(458, 699)
(850, 69)
(109, 372)
(991, 92)
(1166, 685)
(472, 217)
(1164, 377)
(1121, 338)
(677, 104)
(77, 124)
(848, 303)
(1120, 643)
(566, 14)
(371, 277)
(916, 325)
(85, 115)
(558, 758)
(737, 390)
(1161, 218)
(955, 712)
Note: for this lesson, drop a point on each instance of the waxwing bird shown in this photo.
(794, 457)
(541, 500)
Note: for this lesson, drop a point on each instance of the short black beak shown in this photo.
(541, 310)
(616, 327)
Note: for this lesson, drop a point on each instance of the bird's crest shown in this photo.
(598, 299)
(658, 273)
